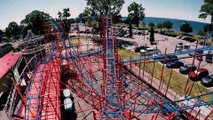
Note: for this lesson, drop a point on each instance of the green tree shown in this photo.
(129, 21)
(1, 34)
(201, 32)
(151, 24)
(152, 35)
(160, 25)
(34, 21)
(136, 11)
(13, 29)
(186, 28)
(167, 24)
(60, 15)
(85, 15)
(66, 13)
(207, 10)
(209, 28)
(104, 7)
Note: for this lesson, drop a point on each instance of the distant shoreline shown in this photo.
(196, 25)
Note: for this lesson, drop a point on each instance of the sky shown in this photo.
(15, 10)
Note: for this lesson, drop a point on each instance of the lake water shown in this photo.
(197, 26)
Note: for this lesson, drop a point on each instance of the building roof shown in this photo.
(7, 62)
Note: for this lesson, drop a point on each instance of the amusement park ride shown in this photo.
(110, 84)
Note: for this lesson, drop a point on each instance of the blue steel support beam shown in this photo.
(112, 105)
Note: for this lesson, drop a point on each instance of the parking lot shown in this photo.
(169, 43)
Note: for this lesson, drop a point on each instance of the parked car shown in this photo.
(197, 53)
(66, 93)
(207, 81)
(122, 33)
(139, 33)
(68, 104)
(209, 57)
(187, 68)
(174, 64)
(198, 74)
(150, 52)
(138, 49)
(179, 47)
(186, 46)
(169, 58)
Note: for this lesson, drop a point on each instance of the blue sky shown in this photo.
(15, 10)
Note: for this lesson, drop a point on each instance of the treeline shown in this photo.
(91, 16)
(34, 21)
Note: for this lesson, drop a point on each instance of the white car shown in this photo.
(67, 93)
(68, 104)
(150, 52)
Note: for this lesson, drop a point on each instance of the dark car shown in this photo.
(187, 68)
(137, 49)
(209, 57)
(122, 33)
(169, 58)
(207, 81)
(198, 74)
(197, 53)
(174, 64)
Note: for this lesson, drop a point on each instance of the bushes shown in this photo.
(169, 33)
(209, 43)
(121, 43)
(137, 49)
(189, 39)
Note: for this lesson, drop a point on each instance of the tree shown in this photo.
(167, 24)
(13, 29)
(151, 24)
(130, 30)
(85, 15)
(60, 15)
(66, 13)
(117, 18)
(34, 21)
(201, 32)
(104, 7)
(137, 13)
(186, 28)
(1, 34)
(209, 28)
(160, 25)
(152, 35)
(207, 10)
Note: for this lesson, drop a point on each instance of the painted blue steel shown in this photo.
(84, 72)
(80, 55)
(150, 95)
(112, 98)
(112, 107)
(168, 105)
(162, 55)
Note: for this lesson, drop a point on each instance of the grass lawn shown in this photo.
(75, 41)
(177, 82)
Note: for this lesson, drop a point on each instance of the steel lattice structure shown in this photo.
(104, 80)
